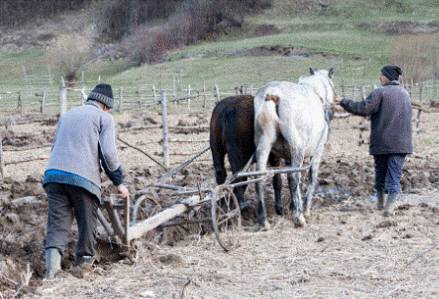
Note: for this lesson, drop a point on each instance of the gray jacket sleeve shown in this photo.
(56, 133)
(108, 150)
(367, 107)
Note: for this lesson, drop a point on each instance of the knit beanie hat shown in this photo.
(102, 93)
(391, 72)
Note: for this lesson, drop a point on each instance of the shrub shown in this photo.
(115, 19)
(417, 56)
(192, 21)
(69, 53)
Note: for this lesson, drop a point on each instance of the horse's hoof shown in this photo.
(244, 205)
(299, 221)
(264, 227)
(307, 214)
(279, 211)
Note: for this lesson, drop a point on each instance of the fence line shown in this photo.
(53, 100)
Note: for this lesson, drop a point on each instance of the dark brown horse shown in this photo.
(232, 133)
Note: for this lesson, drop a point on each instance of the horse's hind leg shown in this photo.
(313, 176)
(236, 164)
(294, 185)
(313, 181)
(262, 152)
(277, 186)
(218, 155)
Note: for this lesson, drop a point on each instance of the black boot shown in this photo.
(381, 196)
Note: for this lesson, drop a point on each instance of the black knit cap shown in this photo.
(102, 93)
(391, 72)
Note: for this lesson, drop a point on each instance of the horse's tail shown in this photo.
(273, 98)
(266, 113)
(271, 103)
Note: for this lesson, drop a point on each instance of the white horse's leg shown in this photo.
(294, 184)
(312, 184)
(262, 152)
(313, 176)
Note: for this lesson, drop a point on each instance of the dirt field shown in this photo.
(348, 249)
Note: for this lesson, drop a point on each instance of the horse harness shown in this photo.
(328, 108)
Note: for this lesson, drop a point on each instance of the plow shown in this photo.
(127, 219)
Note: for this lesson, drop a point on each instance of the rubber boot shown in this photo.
(390, 203)
(53, 262)
(381, 196)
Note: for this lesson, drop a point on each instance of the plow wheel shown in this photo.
(145, 206)
(226, 218)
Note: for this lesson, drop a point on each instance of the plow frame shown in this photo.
(189, 198)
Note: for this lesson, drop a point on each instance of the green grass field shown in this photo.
(355, 49)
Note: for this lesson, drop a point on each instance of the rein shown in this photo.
(327, 107)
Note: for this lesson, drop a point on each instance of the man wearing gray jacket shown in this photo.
(390, 111)
(85, 142)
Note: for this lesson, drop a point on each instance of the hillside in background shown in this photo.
(229, 43)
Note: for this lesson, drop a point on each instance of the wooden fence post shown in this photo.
(49, 73)
(411, 88)
(435, 90)
(204, 93)
(363, 93)
(418, 121)
(164, 104)
(174, 87)
(2, 162)
(421, 89)
(43, 102)
(19, 103)
(139, 101)
(83, 95)
(62, 97)
(120, 107)
(189, 97)
(217, 93)
(154, 94)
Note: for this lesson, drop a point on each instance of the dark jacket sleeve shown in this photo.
(116, 176)
(367, 107)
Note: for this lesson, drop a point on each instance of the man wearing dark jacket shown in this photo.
(85, 141)
(389, 108)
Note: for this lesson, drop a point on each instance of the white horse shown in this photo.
(292, 121)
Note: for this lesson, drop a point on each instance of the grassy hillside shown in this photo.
(350, 35)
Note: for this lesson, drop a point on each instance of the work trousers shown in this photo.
(66, 202)
(388, 172)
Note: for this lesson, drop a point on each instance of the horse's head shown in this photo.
(321, 81)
